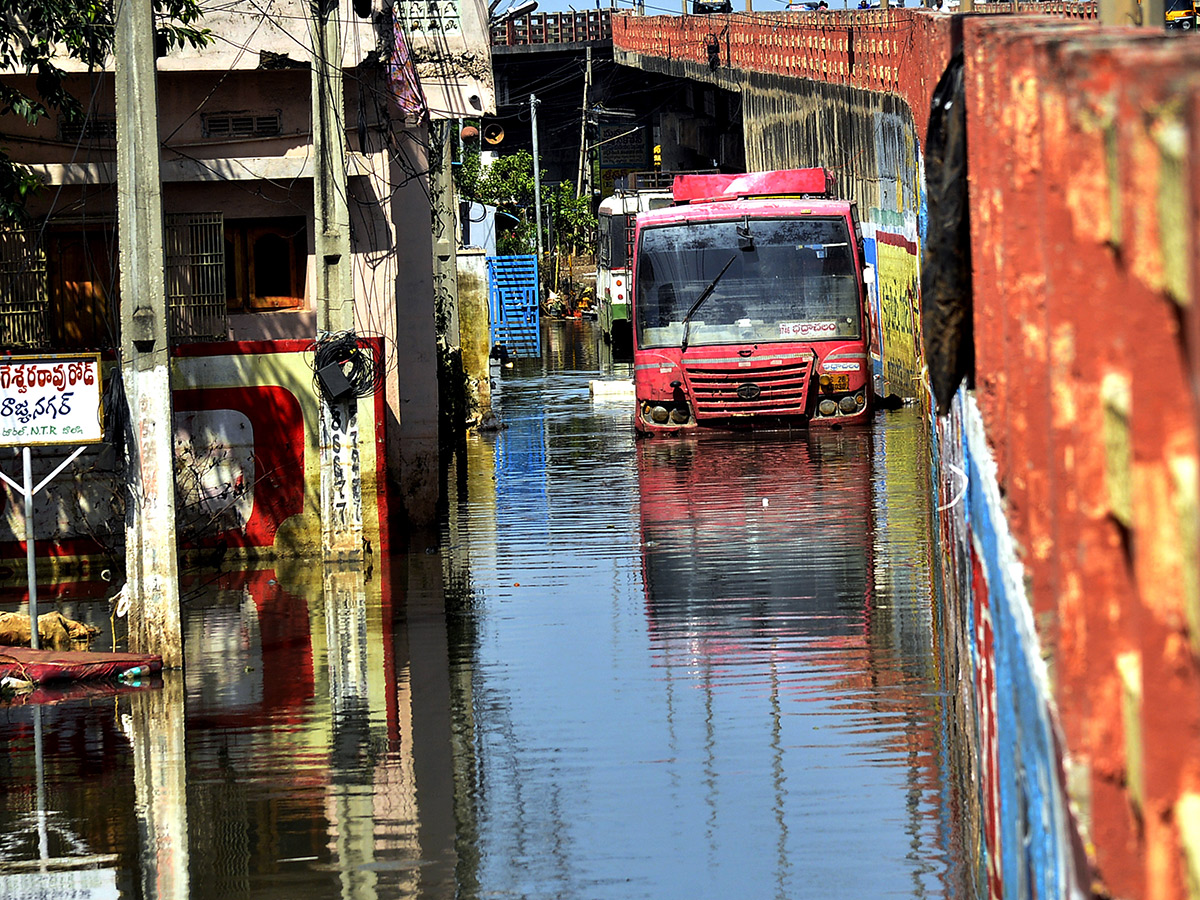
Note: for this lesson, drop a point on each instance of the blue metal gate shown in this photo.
(513, 304)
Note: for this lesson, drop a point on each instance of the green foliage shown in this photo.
(466, 172)
(574, 224)
(34, 34)
(508, 185)
(508, 181)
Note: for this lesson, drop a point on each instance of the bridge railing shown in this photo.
(1064, 9)
(554, 28)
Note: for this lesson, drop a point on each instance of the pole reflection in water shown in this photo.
(155, 729)
(288, 767)
(350, 804)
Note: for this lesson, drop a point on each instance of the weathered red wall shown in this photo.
(1084, 166)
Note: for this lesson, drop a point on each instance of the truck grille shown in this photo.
(722, 390)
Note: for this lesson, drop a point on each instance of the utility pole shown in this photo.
(151, 564)
(537, 176)
(583, 154)
(341, 474)
(445, 224)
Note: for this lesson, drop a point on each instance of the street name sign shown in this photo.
(50, 400)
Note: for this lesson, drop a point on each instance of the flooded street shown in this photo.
(623, 669)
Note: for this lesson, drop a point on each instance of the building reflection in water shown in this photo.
(294, 764)
(624, 669)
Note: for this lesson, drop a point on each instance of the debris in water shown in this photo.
(55, 631)
(612, 390)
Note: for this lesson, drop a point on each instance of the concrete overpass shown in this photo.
(1066, 458)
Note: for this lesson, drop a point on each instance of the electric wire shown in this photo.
(356, 357)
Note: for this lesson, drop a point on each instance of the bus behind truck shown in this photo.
(749, 306)
(614, 233)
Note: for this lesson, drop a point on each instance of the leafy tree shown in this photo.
(574, 224)
(36, 33)
(509, 180)
(508, 185)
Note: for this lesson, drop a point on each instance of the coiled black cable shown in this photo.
(359, 358)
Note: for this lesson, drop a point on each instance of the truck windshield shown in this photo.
(793, 280)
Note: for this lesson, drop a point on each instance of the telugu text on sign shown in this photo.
(808, 329)
(50, 400)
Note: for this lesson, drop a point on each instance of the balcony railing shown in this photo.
(554, 28)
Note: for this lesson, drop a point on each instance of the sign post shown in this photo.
(44, 401)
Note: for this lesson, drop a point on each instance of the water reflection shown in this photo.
(758, 534)
(286, 763)
(623, 669)
(697, 668)
(777, 647)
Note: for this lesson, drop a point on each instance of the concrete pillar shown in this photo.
(474, 328)
(341, 473)
(445, 227)
(413, 403)
(151, 564)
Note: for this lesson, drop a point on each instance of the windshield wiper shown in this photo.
(704, 295)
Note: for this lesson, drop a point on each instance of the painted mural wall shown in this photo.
(1082, 446)
(246, 467)
(1030, 842)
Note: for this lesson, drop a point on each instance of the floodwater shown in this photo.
(621, 669)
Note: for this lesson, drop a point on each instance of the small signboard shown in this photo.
(50, 400)
(622, 147)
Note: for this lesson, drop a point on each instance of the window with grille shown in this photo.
(59, 290)
(431, 18)
(195, 276)
(23, 289)
(242, 124)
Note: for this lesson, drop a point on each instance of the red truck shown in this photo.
(749, 305)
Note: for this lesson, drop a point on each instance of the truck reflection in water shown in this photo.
(748, 537)
(800, 647)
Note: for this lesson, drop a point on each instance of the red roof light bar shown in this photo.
(786, 182)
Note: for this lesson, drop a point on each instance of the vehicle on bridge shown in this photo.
(614, 245)
(1182, 14)
(749, 305)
